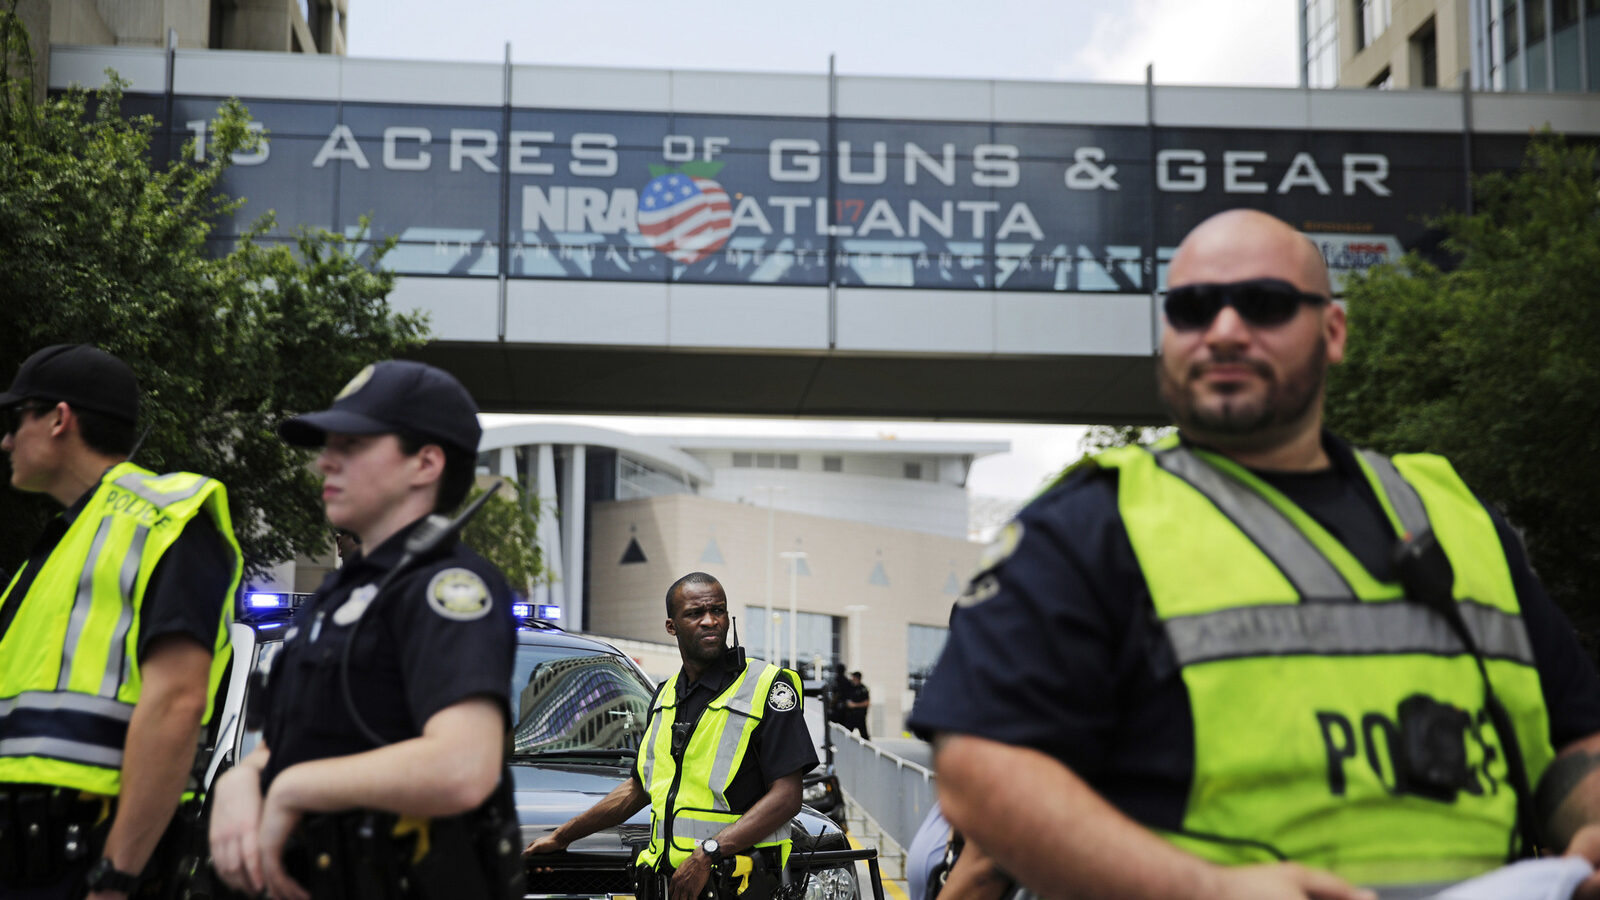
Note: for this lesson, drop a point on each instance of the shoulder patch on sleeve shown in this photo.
(459, 594)
(781, 698)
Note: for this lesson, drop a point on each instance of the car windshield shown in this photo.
(578, 702)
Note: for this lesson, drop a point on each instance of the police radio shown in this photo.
(733, 657)
(1432, 733)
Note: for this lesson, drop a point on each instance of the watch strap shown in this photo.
(104, 876)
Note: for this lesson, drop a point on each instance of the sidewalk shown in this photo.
(865, 832)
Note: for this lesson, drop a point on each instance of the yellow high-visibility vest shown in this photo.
(688, 801)
(1296, 660)
(69, 668)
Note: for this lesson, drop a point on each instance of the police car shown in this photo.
(580, 707)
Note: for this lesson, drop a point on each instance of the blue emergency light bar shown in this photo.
(550, 612)
(266, 601)
(521, 610)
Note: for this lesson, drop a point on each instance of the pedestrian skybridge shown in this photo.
(609, 240)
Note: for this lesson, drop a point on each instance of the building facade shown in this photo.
(1489, 45)
(280, 26)
(833, 551)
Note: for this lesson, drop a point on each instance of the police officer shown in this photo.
(720, 764)
(386, 708)
(113, 635)
(1186, 666)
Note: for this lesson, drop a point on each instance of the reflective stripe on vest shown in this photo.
(72, 679)
(688, 826)
(1295, 661)
(710, 760)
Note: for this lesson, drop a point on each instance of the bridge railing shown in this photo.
(895, 792)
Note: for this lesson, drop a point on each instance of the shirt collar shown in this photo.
(715, 677)
(1341, 456)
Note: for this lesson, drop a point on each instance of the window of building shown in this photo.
(924, 643)
(1425, 56)
(1384, 81)
(833, 464)
(913, 470)
(788, 460)
(1511, 35)
(1591, 34)
(1535, 31)
(766, 460)
(1565, 45)
(1321, 51)
(640, 479)
(1372, 20)
(743, 460)
(817, 638)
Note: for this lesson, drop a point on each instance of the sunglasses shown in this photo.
(13, 415)
(1260, 302)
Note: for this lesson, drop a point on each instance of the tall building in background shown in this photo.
(1493, 45)
(279, 26)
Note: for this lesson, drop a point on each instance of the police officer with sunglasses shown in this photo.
(1251, 660)
(113, 638)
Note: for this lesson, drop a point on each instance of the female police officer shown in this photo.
(427, 673)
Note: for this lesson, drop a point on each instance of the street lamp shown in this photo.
(855, 610)
(770, 489)
(794, 557)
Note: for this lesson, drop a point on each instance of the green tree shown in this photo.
(1496, 362)
(1105, 437)
(504, 533)
(104, 246)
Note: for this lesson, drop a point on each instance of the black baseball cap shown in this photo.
(394, 396)
(83, 376)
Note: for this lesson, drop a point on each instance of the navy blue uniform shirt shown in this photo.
(440, 633)
(1066, 656)
(781, 744)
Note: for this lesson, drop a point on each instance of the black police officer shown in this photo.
(428, 671)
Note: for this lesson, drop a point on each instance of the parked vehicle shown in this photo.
(580, 707)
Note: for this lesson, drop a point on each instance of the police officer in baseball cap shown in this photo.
(372, 728)
(98, 718)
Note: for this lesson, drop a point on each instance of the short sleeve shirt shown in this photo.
(780, 746)
(441, 632)
(1057, 648)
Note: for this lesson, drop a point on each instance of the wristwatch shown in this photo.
(103, 876)
(713, 850)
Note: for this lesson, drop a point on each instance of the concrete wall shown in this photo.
(674, 533)
(878, 493)
(1392, 50)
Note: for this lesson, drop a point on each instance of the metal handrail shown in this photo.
(897, 793)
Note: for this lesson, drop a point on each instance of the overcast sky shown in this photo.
(1250, 42)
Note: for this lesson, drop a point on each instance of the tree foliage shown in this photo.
(102, 245)
(1496, 363)
(503, 532)
(1104, 437)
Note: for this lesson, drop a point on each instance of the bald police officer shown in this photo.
(1251, 661)
(410, 760)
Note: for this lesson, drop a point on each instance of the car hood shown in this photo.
(550, 793)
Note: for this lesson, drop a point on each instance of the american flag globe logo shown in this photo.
(684, 213)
